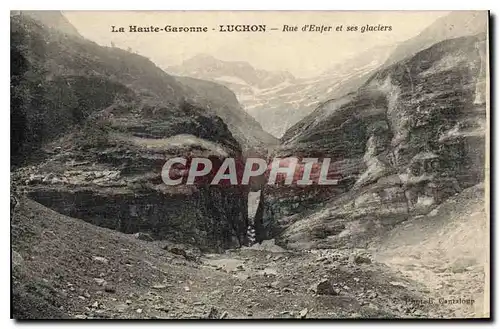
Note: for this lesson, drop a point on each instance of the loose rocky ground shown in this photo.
(67, 268)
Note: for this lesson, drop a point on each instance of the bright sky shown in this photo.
(302, 54)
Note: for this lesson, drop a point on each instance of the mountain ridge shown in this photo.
(277, 100)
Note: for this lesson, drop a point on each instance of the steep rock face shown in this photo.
(410, 137)
(110, 175)
(103, 122)
(115, 182)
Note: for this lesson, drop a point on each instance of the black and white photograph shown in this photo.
(221, 165)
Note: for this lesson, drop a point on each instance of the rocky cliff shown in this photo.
(92, 127)
(409, 138)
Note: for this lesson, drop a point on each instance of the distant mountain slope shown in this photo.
(227, 78)
(277, 100)
(221, 101)
(208, 67)
(454, 25)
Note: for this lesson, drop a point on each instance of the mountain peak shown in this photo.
(230, 73)
(200, 59)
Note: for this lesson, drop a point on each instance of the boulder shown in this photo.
(143, 236)
(325, 287)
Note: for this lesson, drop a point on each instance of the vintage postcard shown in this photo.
(250, 164)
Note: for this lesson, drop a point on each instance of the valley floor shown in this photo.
(66, 268)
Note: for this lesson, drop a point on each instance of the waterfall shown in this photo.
(253, 204)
